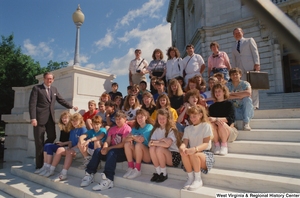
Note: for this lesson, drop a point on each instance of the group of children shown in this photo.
(173, 129)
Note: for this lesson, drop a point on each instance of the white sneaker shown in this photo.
(60, 177)
(85, 163)
(39, 170)
(135, 173)
(104, 184)
(217, 150)
(224, 150)
(49, 173)
(247, 127)
(196, 184)
(129, 170)
(42, 173)
(188, 182)
(88, 178)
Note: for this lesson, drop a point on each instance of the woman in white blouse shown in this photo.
(174, 62)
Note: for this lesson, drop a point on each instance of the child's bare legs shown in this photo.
(152, 151)
(129, 151)
(48, 159)
(198, 161)
(223, 132)
(142, 153)
(215, 132)
(82, 149)
(97, 144)
(60, 151)
(88, 124)
(70, 154)
(164, 157)
(186, 162)
(216, 138)
(130, 155)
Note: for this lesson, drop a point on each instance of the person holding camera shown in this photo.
(137, 69)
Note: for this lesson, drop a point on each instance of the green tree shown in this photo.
(51, 66)
(16, 70)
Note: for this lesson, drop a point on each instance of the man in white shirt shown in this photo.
(245, 56)
(193, 63)
(137, 69)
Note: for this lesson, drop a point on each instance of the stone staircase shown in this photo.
(266, 159)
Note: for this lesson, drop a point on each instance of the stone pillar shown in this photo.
(180, 29)
(76, 84)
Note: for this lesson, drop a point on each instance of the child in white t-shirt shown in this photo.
(194, 150)
(163, 145)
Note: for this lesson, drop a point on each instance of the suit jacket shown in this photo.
(247, 57)
(40, 107)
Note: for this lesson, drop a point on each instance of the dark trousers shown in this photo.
(113, 156)
(39, 140)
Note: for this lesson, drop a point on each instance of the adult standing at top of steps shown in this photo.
(245, 56)
(41, 109)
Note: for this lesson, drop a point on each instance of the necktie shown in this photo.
(238, 46)
(49, 94)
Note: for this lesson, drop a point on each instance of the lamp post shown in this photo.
(78, 18)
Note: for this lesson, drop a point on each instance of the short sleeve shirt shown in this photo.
(242, 86)
(87, 115)
(118, 134)
(75, 134)
(91, 133)
(160, 133)
(192, 64)
(145, 132)
(196, 134)
(219, 61)
(137, 64)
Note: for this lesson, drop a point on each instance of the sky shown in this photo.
(112, 30)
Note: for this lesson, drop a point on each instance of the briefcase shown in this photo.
(258, 80)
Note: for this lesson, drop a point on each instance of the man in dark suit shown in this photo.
(41, 109)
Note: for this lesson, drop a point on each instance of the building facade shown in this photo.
(200, 22)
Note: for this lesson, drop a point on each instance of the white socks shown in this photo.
(164, 171)
(158, 171)
(197, 176)
(64, 171)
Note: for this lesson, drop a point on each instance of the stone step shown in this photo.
(282, 149)
(251, 182)
(72, 185)
(4, 195)
(277, 113)
(217, 179)
(258, 163)
(170, 188)
(288, 123)
(16, 186)
(277, 135)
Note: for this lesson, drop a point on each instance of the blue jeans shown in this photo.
(224, 71)
(180, 127)
(245, 112)
(113, 156)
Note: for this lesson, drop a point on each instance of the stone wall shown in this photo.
(205, 21)
(75, 84)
